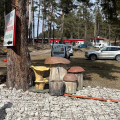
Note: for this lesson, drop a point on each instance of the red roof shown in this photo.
(96, 38)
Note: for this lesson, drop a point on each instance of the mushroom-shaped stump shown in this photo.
(70, 83)
(58, 67)
(78, 71)
(39, 71)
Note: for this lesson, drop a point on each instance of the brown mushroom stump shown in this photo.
(58, 67)
(70, 83)
(78, 71)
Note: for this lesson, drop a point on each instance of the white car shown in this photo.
(109, 52)
(70, 49)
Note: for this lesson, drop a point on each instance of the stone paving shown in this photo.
(19, 105)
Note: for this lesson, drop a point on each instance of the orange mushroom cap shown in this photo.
(56, 60)
(76, 69)
(70, 78)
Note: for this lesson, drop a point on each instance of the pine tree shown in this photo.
(18, 57)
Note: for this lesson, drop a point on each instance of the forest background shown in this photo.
(71, 19)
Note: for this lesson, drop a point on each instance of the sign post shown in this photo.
(10, 29)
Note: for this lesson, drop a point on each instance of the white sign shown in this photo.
(10, 28)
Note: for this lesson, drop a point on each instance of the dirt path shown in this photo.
(34, 55)
(39, 52)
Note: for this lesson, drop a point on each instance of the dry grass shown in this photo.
(104, 73)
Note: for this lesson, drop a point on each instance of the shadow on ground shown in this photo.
(103, 69)
(3, 110)
(99, 72)
(3, 74)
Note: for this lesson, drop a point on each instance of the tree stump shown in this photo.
(56, 88)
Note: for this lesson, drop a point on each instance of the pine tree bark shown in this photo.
(42, 30)
(4, 10)
(28, 19)
(85, 29)
(38, 19)
(85, 34)
(0, 26)
(31, 18)
(48, 27)
(33, 26)
(18, 57)
(109, 33)
(95, 24)
(62, 26)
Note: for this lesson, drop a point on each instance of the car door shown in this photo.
(105, 53)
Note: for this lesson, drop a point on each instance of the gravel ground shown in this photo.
(19, 105)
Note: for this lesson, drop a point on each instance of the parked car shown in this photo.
(85, 45)
(103, 44)
(109, 52)
(70, 49)
(60, 50)
(82, 46)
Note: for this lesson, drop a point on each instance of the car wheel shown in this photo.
(118, 58)
(93, 57)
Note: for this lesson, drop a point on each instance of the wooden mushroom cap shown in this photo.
(76, 69)
(56, 60)
(70, 78)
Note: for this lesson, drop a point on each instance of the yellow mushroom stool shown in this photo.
(39, 71)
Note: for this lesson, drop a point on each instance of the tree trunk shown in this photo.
(115, 38)
(109, 33)
(4, 10)
(85, 29)
(53, 33)
(95, 24)
(38, 20)
(0, 27)
(48, 28)
(42, 30)
(28, 20)
(43, 26)
(98, 29)
(62, 26)
(18, 57)
(85, 33)
(53, 21)
(33, 25)
(31, 17)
